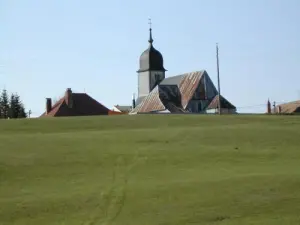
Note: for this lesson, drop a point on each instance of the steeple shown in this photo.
(151, 59)
(151, 69)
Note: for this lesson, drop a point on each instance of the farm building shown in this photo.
(122, 108)
(186, 93)
(75, 104)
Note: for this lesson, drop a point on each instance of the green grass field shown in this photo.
(150, 170)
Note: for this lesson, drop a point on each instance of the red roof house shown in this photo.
(74, 104)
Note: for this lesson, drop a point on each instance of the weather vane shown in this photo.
(150, 24)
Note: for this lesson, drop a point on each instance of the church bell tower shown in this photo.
(151, 71)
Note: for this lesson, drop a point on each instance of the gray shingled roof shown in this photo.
(175, 80)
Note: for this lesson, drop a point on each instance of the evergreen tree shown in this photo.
(17, 106)
(22, 113)
(4, 104)
(12, 106)
(0, 107)
(17, 109)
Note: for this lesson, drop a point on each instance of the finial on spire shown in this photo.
(150, 24)
(150, 29)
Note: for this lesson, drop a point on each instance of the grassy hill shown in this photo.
(150, 170)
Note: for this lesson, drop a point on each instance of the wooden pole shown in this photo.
(218, 72)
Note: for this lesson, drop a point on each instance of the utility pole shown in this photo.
(218, 72)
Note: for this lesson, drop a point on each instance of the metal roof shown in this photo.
(225, 104)
(150, 103)
(187, 84)
(175, 80)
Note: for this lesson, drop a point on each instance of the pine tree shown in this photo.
(12, 107)
(22, 112)
(20, 109)
(0, 107)
(18, 106)
(4, 106)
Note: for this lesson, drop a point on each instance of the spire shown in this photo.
(150, 29)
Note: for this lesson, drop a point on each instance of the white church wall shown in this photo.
(143, 84)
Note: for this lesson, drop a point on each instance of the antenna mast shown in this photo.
(218, 72)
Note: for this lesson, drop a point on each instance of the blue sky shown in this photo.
(94, 46)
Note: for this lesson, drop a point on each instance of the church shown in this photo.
(192, 92)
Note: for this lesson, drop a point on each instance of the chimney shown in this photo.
(269, 107)
(68, 98)
(133, 101)
(48, 105)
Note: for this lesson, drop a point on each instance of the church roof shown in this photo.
(175, 80)
(214, 104)
(183, 86)
(187, 84)
(83, 105)
(150, 103)
(151, 59)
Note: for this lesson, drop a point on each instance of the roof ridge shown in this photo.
(195, 71)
